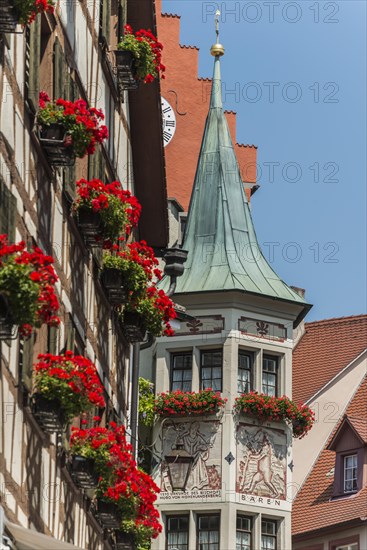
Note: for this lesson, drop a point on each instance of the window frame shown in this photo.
(275, 358)
(345, 457)
(202, 353)
(250, 355)
(273, 536)
(250, 531)
(208, 515)
(178, 516)
(172, 359)
(335, 544)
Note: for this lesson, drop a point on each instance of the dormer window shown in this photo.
(349, 445)
(350, 473)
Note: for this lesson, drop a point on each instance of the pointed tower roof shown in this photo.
(220, 237)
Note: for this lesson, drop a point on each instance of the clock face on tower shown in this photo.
(168, 121)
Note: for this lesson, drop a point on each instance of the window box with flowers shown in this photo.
(27, 289)
(68, 129)
(64, 384)
(138, 58)
(23, 12)
(104, 212)
(151, 311)
(178, 403)
(126, 273)
(125, 495)
(267, 408)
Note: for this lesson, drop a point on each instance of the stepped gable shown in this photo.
(189, 95)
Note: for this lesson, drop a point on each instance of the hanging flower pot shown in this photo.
(7, 327)
(68, 129)
(13, 12)
(27, 281)
(53, 139)
(70, 379)
(8, 17)
(90, 224)
(125, 70)
(124, 541)
(113, 283)
(107, 514)
(105, 209)
(144, 63)
(133, 326)
(83, 472)
(48, 413)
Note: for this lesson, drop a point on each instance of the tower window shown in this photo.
(208, 532)
(181, 371)
(268, 535)
(211, 370)
(243, 533)
(270, 376)
(245, 372)
(178, 533)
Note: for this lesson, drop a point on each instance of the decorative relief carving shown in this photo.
(262, 329)
(261, 462)
(206, 324)
(201, 440)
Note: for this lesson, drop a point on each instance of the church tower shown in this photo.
(225, 478)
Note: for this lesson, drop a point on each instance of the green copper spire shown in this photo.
(220, 237)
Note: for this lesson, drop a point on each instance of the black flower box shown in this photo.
(48, 413)
(83, 472)
(52, 139)
(133, 327)
(90, 225)
(8, 329)
(124, 541)
(8, 17)
(113, 281)
(107, 514)
(125, 70)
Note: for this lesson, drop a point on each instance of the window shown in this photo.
(208, 532)
(347, 547)
(243, 533)
(8, 208)
(181, 371)
(270, 376)
(350, 474)
(268, 535)
(211, 370)
(244, 378)
(178, 533)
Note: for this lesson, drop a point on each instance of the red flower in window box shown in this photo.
(70, 379)
(146, 51)
(132, 491)
(189, 403)
(118, 209)
(276, 409)
(81, 125)
(27, 281)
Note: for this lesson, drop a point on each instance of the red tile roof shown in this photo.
(324, 350)
(313, 508)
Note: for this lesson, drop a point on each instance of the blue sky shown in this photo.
(295, 72)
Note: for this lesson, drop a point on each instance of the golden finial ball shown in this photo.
(217, 50)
